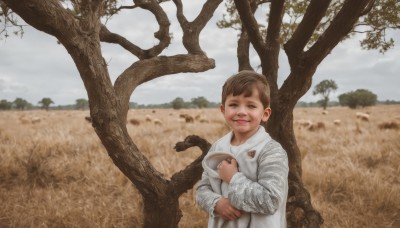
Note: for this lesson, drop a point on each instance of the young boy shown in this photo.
(245, 178)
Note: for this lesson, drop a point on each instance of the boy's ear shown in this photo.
(222, 108)
(266, 114)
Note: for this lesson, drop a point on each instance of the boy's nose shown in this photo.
(241, 111)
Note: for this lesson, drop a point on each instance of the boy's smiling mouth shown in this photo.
(241, 121)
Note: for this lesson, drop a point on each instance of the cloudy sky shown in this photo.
(35, 66)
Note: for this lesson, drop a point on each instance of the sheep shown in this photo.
(303, 123)
(148, 118)
(337, 122)
(135, 122)
(204, 120)
(389, 125)
(198, 117)
(35, 119)
(24, 120)
(29, 120)
(157, 122)
(316, 126)
(180, 120)
(362, 116)
(325, 112)
(188, 118)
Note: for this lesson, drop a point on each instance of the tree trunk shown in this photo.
(163, 212)
(299, 210)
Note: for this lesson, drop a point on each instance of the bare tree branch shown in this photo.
(341, 25)
(191, 30)
(109, 37)
(243, 51)
(270, 49)
(126, 7)
(312, 17)
(53, 19)
(185, 179)
(145, 70)
(307, 63)
(192, 141)
(250, 23)
(162, 34)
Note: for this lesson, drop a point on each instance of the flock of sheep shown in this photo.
(360, 116)
(182, 118)
(186, 118)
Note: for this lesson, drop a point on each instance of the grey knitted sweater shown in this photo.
(259, 189)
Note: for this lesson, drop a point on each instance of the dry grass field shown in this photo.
(54, 172)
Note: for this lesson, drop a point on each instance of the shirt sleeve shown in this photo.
(205, 196)
(265, 195)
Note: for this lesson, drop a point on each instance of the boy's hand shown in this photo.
(225, 209)
(226, 169)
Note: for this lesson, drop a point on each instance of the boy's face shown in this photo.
(244, 114)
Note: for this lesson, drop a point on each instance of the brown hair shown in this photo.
(243, 83)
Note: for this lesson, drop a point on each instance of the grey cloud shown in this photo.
(35, 66)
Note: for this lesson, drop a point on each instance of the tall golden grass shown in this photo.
(56, 173)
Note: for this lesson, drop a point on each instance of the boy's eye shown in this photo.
(232, 105)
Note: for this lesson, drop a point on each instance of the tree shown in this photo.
(200, 102)
(358, 98)
(81, 104)
(46, 102)
(324, 88)
(20, 103)
(178, 103)
(109, 102)
(314, 28)
(5, 105)
(307, 31)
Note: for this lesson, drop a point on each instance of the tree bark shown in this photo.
(161, 211)
(300, 212)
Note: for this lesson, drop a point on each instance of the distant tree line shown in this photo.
(18, 103)
(179, 103)
(359, 98)
(317, 104)
(22, 104)
(45, 103)
(353, 99)
(83, 104)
